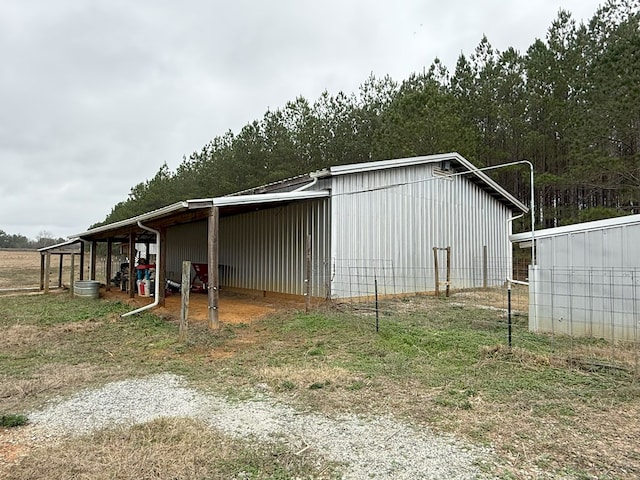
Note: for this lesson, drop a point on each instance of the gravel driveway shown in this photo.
(368, 447)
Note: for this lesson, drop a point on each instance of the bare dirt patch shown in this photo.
(234, 308)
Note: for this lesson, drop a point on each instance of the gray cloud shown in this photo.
(96, 95)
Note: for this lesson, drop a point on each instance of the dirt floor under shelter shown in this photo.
(234, 307)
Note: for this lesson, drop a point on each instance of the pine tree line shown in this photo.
(570, 105)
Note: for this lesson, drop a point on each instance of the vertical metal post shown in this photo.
(437, 274)
(375, 285)
(612, 317)
(448, 288)
(307, 276)
(635, 321)
(553, 318)
(570, 274)
(485, 267)
(590, 331)
(509, 312)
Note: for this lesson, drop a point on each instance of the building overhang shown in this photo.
(188, 211)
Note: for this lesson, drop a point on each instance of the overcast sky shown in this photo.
(96, 94)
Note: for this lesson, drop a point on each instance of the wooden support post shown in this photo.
(108, 266)
(47, 267)
(72, 275)
(132, 265)
(60, 270)
(448, 272)
(437, 273)
(212, 290)
(161, 274)
(94, 256)
(184, 306)
(485, 267)
(41, 271)
(307, 276)
(82, 260)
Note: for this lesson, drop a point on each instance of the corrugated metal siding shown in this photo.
(587, 283)
(185, 242)
(390, 232)
(262, 250)
(611, 247)
(265, 250)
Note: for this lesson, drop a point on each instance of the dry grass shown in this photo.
(290, 377)
(496, 298)
(436, 362)
(22, 337)
(19, 393)
(20, 269)
(165, 448)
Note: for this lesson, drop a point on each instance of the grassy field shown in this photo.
(20, 269)
(440, 365)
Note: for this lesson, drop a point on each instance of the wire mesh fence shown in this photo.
(355, 278)
(577, 318)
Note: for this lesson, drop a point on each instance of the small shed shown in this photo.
(586, 280)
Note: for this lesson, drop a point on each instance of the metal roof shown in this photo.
(578, 227)
(62, 247)
(232, 205)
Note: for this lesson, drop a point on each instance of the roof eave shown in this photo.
(133, 221)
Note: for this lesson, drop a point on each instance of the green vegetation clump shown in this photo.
(12, 420)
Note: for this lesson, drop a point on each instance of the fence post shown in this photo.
(448, 272)
(485, 267)
(213, 294)
(437, 274)
(307, 276)
(634, 280)
(108, 265)
(570, 277)
(184, 306)
(47, 267)
(60, 265)
(509, 312)
(375, 284)
(72, 275)
(612, 317)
